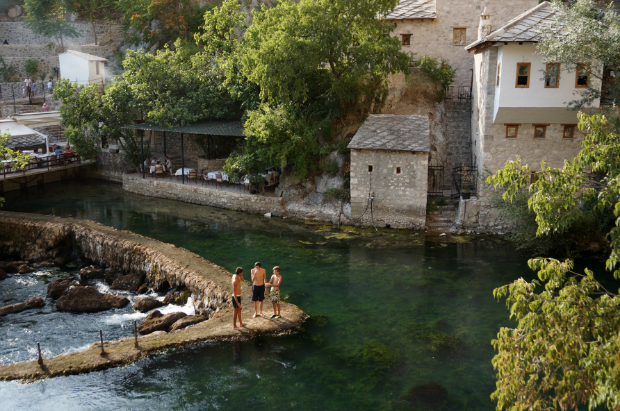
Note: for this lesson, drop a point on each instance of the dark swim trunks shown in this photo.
(235, 302)
(258, 292)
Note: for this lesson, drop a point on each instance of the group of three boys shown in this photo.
(259, 284)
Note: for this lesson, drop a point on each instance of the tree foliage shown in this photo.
(20, 160)
(564, 349)
(48, 18)
(155, 23)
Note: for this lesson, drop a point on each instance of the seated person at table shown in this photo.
(57, 150)
(168, 164)
(147, 162)
(153, 163)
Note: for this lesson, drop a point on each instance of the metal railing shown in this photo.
(461, 93)
(464, 180)
(50, 163)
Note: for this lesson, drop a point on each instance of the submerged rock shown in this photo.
(431, 393)
(147, 304)
(129, 282)
(90, 273)
(86, 299)
(56, 288)
(3, 275)
(187, 321)
(32, 302)
(162, 323)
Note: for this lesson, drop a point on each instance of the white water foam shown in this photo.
(188, 308)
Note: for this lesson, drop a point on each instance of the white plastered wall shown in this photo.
(74, 68)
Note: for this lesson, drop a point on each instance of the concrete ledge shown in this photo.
(37, 237)
(197, 194)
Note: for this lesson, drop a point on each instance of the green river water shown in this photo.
(389, 312)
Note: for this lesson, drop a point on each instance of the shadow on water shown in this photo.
(398, 323)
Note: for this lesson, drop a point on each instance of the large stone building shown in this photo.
(441, 28)
(518, 110)
(389, 166)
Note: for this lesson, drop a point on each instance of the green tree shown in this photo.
(155, 23)
(564, 350)
(92, 10)
(31, 67)
(47, 17)
(314, 62)
(19, 159)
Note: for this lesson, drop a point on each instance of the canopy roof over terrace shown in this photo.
(21, 136)
(213, 128)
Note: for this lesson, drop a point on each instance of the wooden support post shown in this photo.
(101, 336)
(182, 162)
(40, 359)
(142, 155)
(135, 333)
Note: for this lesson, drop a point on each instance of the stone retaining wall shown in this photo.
(18, 33)
(197, 194)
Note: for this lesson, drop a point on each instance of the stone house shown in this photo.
(441, 28)
(389, 166)
(520, 102)
(82, 68)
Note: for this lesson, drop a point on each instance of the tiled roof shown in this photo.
(413, 9)
(89, 57)
(392, 132)
(213, 128)
(522, 28)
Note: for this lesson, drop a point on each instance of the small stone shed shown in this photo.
(389, 162)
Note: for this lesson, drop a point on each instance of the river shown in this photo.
(389, 313)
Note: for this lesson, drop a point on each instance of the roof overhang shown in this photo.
(212, 128)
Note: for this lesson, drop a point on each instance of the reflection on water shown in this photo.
(388, 315)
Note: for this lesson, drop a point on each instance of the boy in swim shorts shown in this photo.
(237, 278)
(259, 277)
(274, 294)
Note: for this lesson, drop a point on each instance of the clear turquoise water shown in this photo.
(391, 312)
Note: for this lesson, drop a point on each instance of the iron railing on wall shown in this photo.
(460, 93)
(52, 162)
(464, 180)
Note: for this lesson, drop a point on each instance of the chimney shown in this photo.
(485, 27)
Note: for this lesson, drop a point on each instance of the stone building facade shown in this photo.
(441, 28)
(517, 117)
(389, 163)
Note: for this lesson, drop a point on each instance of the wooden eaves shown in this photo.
(481, 46)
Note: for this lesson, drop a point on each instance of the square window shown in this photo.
(582, 79)
(459, 37)
(397, 170)
(540, 131)
(406, 39)
(370, 169)
(552, 75)
(569, 131)
(523, 75)
(512, 130)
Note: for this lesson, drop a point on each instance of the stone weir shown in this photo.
(31, 237)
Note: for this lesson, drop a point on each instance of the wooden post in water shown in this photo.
(135, 333)
(40, 359)
(101, 336)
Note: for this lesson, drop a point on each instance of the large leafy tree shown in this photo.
(314, 61)
(19, 160)
(48, 18)
(565, 348)
(155, 23)
(92, 10)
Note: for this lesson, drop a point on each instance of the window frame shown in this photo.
(404, 36)
(544, 128)
(557, 81)
(529, 74)
(567, 126)
(587, 66)
(454, 36)
(516, 127)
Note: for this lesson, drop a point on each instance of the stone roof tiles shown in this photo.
(414, 9)
(523, 28)
(86, 56)
(392, 132)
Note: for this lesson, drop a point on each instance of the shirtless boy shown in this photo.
(259, 278)
(237, 278)
(275, 282)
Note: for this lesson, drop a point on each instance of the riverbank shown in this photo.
(31, 237)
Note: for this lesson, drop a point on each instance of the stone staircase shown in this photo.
(442, 217)
(458, 137)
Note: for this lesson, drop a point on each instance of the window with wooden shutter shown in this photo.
(523, 75)
(459, 37)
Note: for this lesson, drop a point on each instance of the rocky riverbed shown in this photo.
(133, 264)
